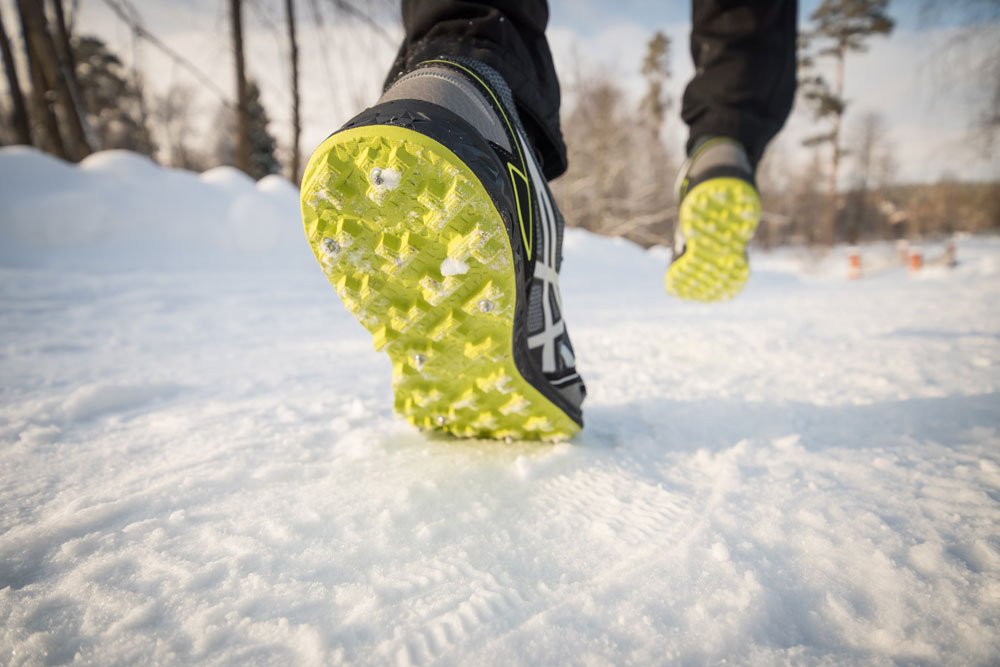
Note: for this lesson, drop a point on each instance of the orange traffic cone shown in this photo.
(854, 265)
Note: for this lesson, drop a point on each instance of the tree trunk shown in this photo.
(66, 49)
(67, 67)
(42, 51)
(242, 112)
(22, 130)
(832, 207)
(42, 114)
(296, 120)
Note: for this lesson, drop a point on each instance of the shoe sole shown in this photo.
(411, 241)
(718, 218)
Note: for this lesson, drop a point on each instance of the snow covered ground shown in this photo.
(199, 462)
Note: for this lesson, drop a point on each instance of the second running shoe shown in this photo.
(719, 213)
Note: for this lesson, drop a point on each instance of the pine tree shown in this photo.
(652, 192)
(242, 148)
(839, 27)
(656, 70)
(262, 145)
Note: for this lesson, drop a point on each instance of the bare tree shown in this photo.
(242, 120)
(805, 203)
(295, 166)
(63, 44)
(773, 178)
(974, 50)
(615, 183)
(42, 113)
(64, 57)
(872, 161)
(67, 67)
(173, 112)
(19, 115)
(46, 70)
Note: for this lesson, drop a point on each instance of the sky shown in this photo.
(589, 16)
(927, 102)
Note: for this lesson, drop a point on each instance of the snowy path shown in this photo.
(202, 466)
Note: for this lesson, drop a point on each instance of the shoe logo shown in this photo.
(522, 199)
(546, 274)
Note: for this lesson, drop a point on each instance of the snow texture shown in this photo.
(383, 181)
(454, 267)
(199, 460)
(385, 178)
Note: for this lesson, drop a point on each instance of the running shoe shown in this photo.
(429, 215)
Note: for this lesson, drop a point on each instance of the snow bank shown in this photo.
(202, 465)
(120, 211)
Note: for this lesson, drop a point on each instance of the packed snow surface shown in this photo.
(200, 464)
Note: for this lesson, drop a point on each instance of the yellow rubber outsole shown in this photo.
(718, 218)
(413, 244)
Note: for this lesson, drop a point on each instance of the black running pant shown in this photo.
(743, 51)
